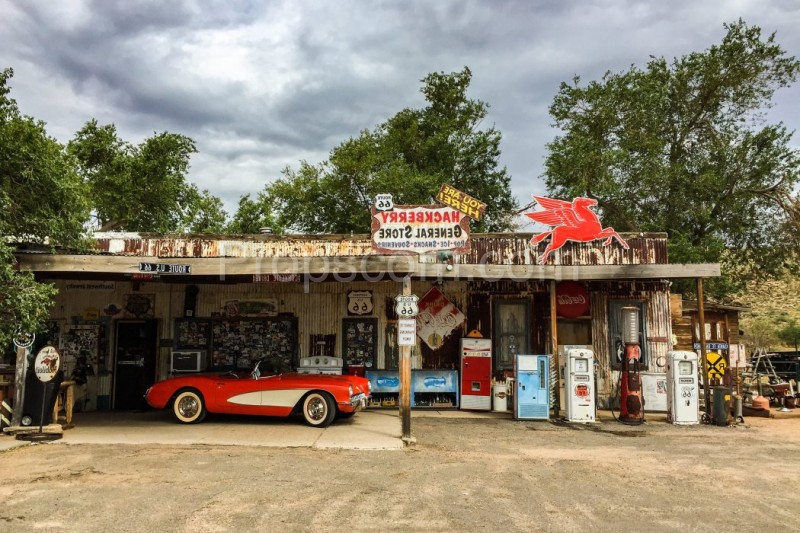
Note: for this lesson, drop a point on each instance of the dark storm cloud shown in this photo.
(262, 85)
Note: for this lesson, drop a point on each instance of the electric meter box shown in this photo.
(683, 388)
(579, 385)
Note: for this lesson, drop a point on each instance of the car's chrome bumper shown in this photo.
(358, 401)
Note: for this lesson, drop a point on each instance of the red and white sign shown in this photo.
(47, 364)
(438, 317)
(572, 299)
(420, 229)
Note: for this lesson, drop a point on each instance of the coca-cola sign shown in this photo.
(572, 299)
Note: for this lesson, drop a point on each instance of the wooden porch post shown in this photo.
(555, 358)
(704, 360)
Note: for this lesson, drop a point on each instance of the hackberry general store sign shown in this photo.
(419, 229)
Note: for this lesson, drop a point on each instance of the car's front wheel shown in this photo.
(188, 407)
(319, 409)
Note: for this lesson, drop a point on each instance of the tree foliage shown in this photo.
(684, 147)
(42, 201)
(410, 156)
(252, 216)
(142, 187)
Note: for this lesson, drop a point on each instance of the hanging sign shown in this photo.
(438, 318)
(359, 303)
(419, 229)
(465, 203)
(407, 332)
(165, 268)
(276, 278)
(570, 221)
(572, 299)
(47, 364)
(407, 305)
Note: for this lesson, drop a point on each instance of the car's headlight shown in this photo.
(350, 388)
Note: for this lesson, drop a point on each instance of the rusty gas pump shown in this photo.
(631, 408)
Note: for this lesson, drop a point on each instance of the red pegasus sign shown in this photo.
(570, 221)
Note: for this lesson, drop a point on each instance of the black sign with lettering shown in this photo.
(164, 268)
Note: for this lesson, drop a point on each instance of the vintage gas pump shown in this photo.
(630, 391)
(682, 388)
(580, 386)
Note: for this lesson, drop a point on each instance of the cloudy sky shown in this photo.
(261, 85)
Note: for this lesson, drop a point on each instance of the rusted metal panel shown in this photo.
(655, 296)
(498, 249)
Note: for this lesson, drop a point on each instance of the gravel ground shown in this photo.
(464, 474)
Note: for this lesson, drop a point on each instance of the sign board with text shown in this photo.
(452, 197)
(419, 229)
(164, 268)
(407, 332)
(407, 305)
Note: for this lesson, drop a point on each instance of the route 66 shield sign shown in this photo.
(359, 303)
(407, 306)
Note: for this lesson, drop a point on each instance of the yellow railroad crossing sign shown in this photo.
(716, 365)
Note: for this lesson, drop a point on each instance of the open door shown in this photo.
(136, 345)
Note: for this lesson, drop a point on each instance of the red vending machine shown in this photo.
(476, 374)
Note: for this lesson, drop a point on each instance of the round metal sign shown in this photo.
(23, 339)
(47, 364)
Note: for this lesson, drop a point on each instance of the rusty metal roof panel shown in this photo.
(496, 248)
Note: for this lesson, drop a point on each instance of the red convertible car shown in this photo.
(318, 397)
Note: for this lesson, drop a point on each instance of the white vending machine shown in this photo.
(476, 373)
(579, 385)
(683, 388)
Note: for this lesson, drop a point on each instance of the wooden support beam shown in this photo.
(703, 359)
(346, 267)
(405, 381)
(554, 347)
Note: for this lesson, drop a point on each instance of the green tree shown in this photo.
(252, 216)
(684, 147)
(202, 211)
(142, 187)
(42, 202)
(410, 156)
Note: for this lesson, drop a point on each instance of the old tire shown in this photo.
(318, 409)
(188, 407)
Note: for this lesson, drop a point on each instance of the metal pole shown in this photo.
(554, 339)
(702, 317)
(19, 383)
(405, 379)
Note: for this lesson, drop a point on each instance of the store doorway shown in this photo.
(512, 332)
(136, 342)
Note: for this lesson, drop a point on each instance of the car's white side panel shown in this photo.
(248, 398)
(282, 398)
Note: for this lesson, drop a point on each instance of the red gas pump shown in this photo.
(630, 390)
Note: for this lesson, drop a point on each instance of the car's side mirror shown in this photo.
(256, 372)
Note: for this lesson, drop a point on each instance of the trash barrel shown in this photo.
(499, 395)
(721, 398)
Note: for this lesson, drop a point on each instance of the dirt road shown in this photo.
(463, 475)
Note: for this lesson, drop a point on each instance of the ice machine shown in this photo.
(476, 374)
(683, 388)
(532, 397)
